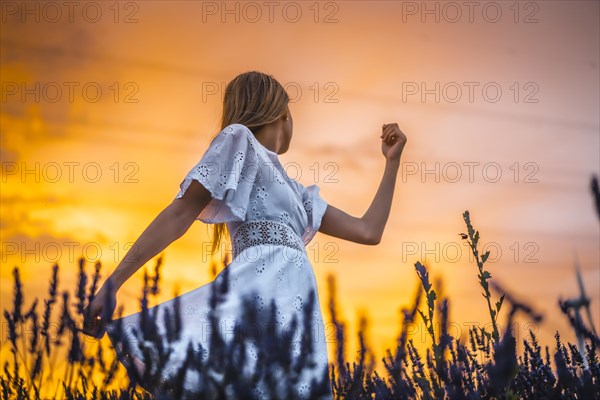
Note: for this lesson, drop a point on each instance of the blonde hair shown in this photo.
(253, 99)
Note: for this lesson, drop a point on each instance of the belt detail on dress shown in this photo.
(257, 232)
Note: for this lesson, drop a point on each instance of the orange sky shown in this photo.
(349, 68)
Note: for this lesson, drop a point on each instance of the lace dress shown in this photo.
(271, 218)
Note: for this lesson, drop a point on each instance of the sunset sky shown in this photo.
(502, 100)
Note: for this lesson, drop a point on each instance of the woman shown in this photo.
(240, 186)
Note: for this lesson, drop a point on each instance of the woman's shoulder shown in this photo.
(233, 135)
(239, 133)
(236, 129)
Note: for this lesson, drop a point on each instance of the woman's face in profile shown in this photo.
(288, 128)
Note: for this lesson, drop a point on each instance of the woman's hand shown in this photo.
(99, 311)
(393, 141)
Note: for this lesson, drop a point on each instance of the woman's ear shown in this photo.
(286, 113)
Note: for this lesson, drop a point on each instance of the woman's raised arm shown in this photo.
(369, 229)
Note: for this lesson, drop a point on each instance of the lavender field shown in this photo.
(44, 332)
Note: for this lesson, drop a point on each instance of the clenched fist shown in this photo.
(392, 141)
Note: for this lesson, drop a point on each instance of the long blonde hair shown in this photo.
(253, 99)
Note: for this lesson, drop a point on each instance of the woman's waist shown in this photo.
(264, 232)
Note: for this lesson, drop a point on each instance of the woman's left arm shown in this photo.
(369, 229)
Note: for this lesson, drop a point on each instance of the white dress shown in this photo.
(270, 217)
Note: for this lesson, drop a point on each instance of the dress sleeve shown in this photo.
(227, 170)
(315, 207)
